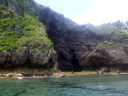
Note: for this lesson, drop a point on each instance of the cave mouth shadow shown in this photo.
(66, 64)
(75, 62)
(97, 63)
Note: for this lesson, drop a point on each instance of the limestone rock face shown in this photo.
(21, 6)
(28, 59)
(71, 41)
(112, 57)
(77, 47)
(83, 48)
(32, 53)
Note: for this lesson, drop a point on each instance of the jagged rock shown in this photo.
(114, 58)
(21, 6)
(77, 47)
(39, 54)
(71, 41)
(24, 58)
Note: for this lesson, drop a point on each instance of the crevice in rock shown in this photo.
(27, 62)
(126, 50)
(63, 62)
(6, 3)
(75, 62)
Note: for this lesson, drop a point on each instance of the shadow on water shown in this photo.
(103, 90)
(19, 93)
(73, 85)
(108, 90)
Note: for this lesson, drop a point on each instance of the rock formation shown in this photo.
(23, 38)
(78, 47)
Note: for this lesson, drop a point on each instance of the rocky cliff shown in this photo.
(24, 42)
(86, 47)
(77, 47)
(72, 42)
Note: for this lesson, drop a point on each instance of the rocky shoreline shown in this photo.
(25, 76)
(58, 43)
(54, 75)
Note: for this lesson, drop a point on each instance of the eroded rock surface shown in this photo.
(77, 47)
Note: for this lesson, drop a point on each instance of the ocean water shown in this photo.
(89, 85)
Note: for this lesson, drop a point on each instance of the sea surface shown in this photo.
(88, 85)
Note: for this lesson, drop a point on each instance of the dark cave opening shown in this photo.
(75, 62)
(98, 63)
(66, 64)
(102, 64)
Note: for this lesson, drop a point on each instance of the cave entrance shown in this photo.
(97, 63)
(75, 62)
(102, 64)
(104, 67)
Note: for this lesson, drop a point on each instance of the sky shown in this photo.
(95, 12)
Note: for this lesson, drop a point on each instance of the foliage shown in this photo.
(120, 35)
(102, 44)
(2, 75)
(122, 32)
(102, 29)
(10, 75)
(28, 6)
(5, 13)
(19, 31)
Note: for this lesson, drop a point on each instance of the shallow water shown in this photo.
(89, 85)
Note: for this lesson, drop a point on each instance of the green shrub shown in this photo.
(19, 31)
(11, 75)
(102, 44)
(2, 75)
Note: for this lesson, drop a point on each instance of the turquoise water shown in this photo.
(90, 85)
